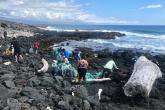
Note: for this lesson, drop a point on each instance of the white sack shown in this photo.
(45, 66)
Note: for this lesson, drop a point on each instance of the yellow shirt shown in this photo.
(7, 52)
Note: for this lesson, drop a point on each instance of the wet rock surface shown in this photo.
(22, 88)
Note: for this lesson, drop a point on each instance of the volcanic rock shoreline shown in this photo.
(22, 88)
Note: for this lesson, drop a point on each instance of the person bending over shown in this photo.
(108, 68)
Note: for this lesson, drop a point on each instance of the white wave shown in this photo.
(131, 34)
(100, 41)
(123, 46)
(117, 38)
(128, 33)
(106, 31)
(150, 48)
(143, 46)
(51, 28)
(69, 30)
(143, 35)
(85, 30)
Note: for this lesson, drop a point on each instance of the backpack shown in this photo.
(82, 64)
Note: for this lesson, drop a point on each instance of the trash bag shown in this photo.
(31, 50)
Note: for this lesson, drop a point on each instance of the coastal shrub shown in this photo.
(3, 25)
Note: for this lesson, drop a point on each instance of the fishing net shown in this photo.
(93, 75)
(65, 70)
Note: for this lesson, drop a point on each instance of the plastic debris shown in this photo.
(48, 108)
(99, 93)
(7, 63)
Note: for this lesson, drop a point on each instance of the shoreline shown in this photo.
(100, 42)
(111, 48)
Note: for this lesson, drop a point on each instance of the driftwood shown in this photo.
(92, 81)
(98, 80)
(143, 77)
(45, 66)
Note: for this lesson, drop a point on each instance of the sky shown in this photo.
(105, 12)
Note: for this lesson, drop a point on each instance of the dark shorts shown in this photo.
(82, 72)
(17, 52)
(35, 49)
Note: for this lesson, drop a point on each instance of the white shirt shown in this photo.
(110, 65)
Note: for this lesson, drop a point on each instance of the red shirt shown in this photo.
(36, 44)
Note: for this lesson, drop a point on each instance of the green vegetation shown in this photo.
(3, 25)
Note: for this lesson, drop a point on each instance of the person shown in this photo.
(8, 52)
(65, 60)
(17, 49)
(109, 67)
(79, 55)
(76, 55)
(57, 54)
(1, 35)
(35, 46)
(82, 66)
(5, 34)
(65, 52)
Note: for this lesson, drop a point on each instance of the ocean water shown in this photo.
(150, 38)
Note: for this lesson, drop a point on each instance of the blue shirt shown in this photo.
(66, 54)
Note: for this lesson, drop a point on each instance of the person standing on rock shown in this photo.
(17, 49)
(65, 52)
(35, 46)
(76, 55)
(5, 34)
(82, 67)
